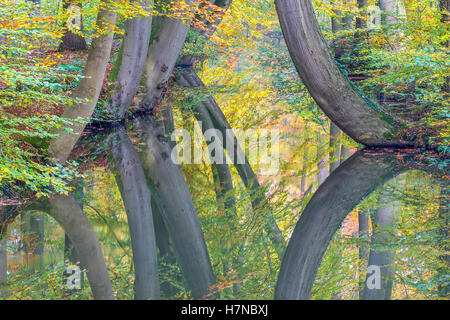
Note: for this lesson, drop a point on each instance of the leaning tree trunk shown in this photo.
(131, 61)
(344, 189)
(211, 111)
(136, 197)
(349, 110)
(167, 182)
(68, 213)
(168, 39)
(88, 90)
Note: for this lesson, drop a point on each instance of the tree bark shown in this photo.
(168, 39)
(88, 89)
(381, 255)
(67, 212)
(322, 217)
(174, 198)
(328, 86)
(210, 109)
(137, 200)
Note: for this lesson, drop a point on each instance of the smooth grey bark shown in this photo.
(443, 234)
(381, 253)
(136, 197)
(88, 89)
(167, 41)
(68, 213)
(132, 61)
(325, 82)
(223, 183)
(174, 198)
(363, 248)
(211, 110)
(322, 217)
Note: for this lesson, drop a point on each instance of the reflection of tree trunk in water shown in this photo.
(35, 226)
(363, 237)
(381, 254)
(88, 90)
(223, 182)
(215, 119)
(165, 250)
(168, 37)
(322, 217)
(360, 119)
(174, 198)
(68, 213)
(137, 201)
(37, 229)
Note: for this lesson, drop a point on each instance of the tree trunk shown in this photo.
(323, 216)
(363, 237)
(332, 91)
(132, 61)
(67, 212)
(137, 201)
(168, 38)
(361, 22)
(88, 89)
(174, 198)
(381, 255)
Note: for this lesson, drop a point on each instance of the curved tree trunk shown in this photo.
(132, 61)
(322, 217)
(328, 86)
(88, 89)
(68, 213)
(168, 39)
(137, 200)
(174, 198)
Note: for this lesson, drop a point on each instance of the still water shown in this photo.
(376, 228)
